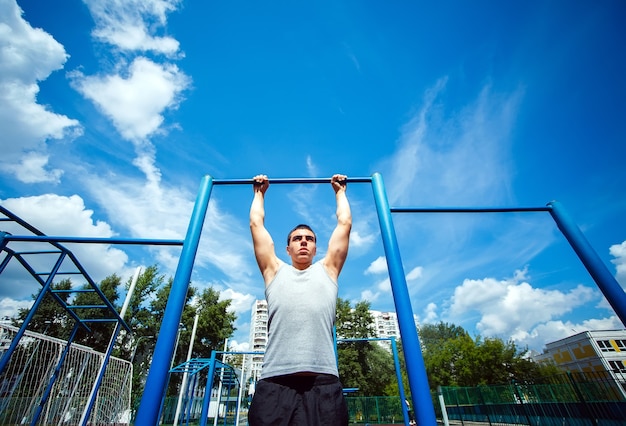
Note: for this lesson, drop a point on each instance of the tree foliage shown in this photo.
(453, 358)
(362, 364)
(144, 317)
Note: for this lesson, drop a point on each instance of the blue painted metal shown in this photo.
(149, 408)
(467, 209)
(93, 240)
(396, 360)
(289, 181)
(597, 269)
(416, 370)
(207, 393)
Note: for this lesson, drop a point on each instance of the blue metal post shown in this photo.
(396, 361)
(207, 392)
(149, 408)
(597, 269)
(416, 370)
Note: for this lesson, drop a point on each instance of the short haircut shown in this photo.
(301, 226)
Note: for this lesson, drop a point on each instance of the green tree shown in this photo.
(101, 332)
(362, 364)
(50, 318)
(453, 358)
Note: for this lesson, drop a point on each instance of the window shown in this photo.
(617, 366)
(605, 346)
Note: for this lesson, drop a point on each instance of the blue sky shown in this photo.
(113, 110)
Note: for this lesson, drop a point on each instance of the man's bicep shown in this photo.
(338, 248)
(263, 247)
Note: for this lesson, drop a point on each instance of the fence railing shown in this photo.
(597, 398)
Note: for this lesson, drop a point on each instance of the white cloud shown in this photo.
(135, 102)
(619, 252)
(442, 154)
(415, 273)
(57, 215)
(311, 167)
(359, 241)
(430, 314)
(235, 346)
(510, 307)
(149, 209)
(28, 56)
(32, 169)
(131, 25)
(369, 296)
(550, 331)
(378, 266)
(10, 307)
(240, 302)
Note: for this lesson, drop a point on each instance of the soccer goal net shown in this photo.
(28, 373)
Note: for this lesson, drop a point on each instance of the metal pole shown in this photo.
(416, 370)
(186, 374)
(105, 359)
(396, 361)
(598, 271)
(442, 403)
(241, 386)
(219, 385)
(149, 408)
(207, 393)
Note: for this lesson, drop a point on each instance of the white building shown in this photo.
(258, 336)
(589, 351)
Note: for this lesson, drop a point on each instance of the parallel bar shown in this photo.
(613, 292)
(149, 408)
(467, 209)
(416, 370)
(52, 239)
(288, 180)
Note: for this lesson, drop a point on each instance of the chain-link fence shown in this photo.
(27, 375)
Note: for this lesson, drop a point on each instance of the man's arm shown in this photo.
(261, 239)
(340, 238)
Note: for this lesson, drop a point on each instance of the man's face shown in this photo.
(302, 247)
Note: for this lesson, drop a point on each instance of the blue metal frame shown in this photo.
(156, 382)
(597, 269)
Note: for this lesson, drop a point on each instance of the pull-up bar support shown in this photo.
(605, 281)
(415, 367)
(156, 382)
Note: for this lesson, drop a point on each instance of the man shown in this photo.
(299, 379)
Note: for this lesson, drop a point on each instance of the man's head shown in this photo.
(301, 245)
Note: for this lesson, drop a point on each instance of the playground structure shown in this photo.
(149, 409)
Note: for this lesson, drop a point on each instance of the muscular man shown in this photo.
(299, 379)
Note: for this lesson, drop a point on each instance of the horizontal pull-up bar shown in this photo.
(288, 180)
(50, 239)
(468, 209)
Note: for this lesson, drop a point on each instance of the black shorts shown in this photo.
(298, 401)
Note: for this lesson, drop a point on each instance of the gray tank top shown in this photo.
(302, 306)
